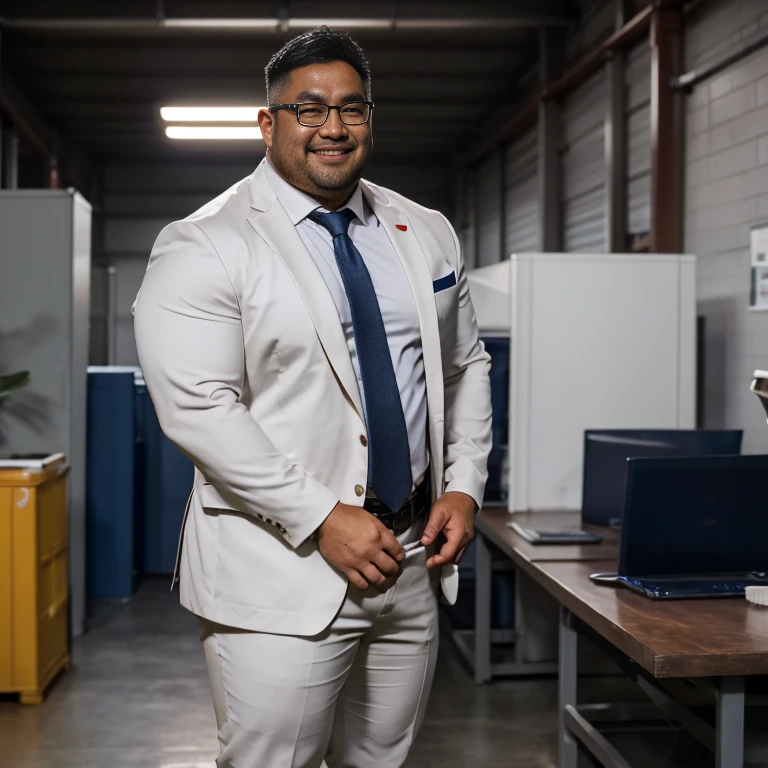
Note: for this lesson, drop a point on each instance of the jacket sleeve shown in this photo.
(189, 338)
(467, 386)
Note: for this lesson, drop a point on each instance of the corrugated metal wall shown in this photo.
(726, 194)
(521, 198)
(584, 173)
(488, 210)
(638, 116)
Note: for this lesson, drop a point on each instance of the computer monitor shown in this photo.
(696, 442)
(695, 516)
(605, 461)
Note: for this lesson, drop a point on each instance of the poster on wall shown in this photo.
(758, 294)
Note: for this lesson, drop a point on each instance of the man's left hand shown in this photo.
(453, 514)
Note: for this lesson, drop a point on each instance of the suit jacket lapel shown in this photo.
(271, 221)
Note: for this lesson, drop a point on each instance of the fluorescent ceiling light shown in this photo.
(210, 114)
(221, 23)
(342, 23)
(275, 24)
(209, 132)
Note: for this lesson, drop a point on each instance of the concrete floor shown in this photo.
(137, 697)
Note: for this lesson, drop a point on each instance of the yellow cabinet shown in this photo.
(33, 579)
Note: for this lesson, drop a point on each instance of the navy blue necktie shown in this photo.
(390, 458)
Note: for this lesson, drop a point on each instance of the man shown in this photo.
(309, 341)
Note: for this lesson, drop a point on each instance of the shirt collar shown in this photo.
(298, 205)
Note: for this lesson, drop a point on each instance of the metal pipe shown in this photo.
(688, 80)
(622, 38)
(53, 173)
(275, 25)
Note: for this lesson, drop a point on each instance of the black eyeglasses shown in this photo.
(314, 115)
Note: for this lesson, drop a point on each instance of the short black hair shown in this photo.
(318, 46)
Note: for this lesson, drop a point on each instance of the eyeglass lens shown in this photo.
(355, 113)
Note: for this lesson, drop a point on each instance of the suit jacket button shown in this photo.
(359, 490)
(363, 441)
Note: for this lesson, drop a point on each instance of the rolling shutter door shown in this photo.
(584, 173)
(521, 197)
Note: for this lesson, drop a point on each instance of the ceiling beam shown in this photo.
(273, 26)
(382, 74)
(173, 91)
(205, 78)
(24, 53)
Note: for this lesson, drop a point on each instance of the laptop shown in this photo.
(606, 453)
(694, 527)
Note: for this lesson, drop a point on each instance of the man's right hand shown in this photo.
(361, 547)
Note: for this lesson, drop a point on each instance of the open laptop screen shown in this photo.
(700, 515)
(605, 461)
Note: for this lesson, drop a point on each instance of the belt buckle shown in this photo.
(408, 509)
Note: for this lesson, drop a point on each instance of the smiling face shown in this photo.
(325, 162)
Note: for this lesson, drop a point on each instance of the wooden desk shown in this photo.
(713, 643)
(668, 638)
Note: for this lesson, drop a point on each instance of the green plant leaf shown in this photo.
(13, 381)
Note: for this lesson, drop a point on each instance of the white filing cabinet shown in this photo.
(598, 341)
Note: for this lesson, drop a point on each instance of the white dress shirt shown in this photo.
(398, 308)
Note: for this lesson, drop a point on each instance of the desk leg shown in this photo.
(568, 670)
(483, 612)
(730, 723)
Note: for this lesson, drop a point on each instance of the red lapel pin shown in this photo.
(401, 227)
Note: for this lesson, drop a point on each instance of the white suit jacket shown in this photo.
(246, 361)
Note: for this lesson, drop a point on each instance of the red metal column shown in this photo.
(666, 129)
(616, 140)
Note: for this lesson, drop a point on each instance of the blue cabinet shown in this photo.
(112, 569)
(169, 475)
(137, 488)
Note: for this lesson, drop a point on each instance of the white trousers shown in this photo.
(350, 697)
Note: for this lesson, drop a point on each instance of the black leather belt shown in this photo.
(416, 505)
